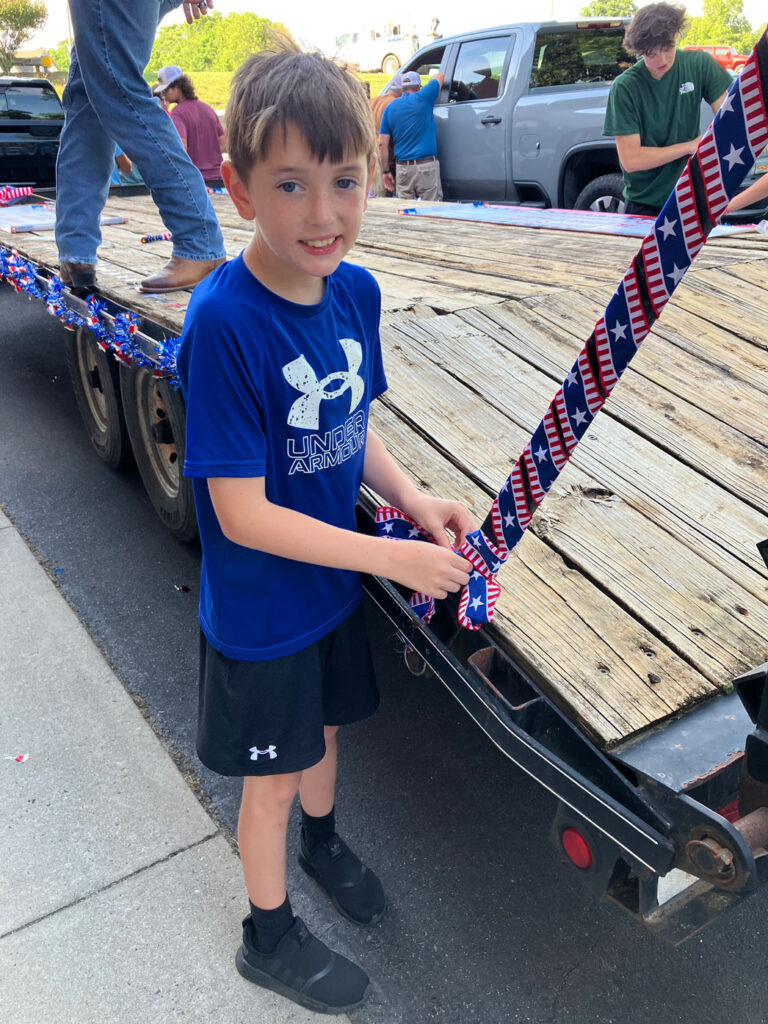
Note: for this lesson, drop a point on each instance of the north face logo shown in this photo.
(305, 411)
(255, 752)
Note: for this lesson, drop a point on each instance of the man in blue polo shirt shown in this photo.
(411, 124)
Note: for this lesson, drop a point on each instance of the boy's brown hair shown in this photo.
(272, 90)
(655, 27)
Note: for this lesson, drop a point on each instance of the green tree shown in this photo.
(609, 9)
(722, 23)
(19, 20)
(214, 43)
(59, 54)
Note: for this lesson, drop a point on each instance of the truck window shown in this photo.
(477, 75)
(32, 102)
(430, 61)
(577, 56)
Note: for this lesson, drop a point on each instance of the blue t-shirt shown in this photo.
(278, 390)
(411, 123)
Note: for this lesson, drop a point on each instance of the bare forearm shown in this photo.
(384, 152)
(247, 518)
(383, 475)
(646, 158)
(289, 534)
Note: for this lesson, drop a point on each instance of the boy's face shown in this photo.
(307, 215)
(658, 62)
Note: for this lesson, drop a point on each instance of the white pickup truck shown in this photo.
(383, 49)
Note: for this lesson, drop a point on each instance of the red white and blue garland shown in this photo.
(119, 337)
(725, 154)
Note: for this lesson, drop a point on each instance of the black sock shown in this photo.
(317, 830)
(271, 925)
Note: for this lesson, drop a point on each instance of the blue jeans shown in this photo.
(106, 100)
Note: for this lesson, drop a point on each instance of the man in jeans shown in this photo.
(411, 124)
(106, 100)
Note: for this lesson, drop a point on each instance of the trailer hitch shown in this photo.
(719, 864)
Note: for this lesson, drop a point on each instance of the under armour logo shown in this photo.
(305, 411)
(270, 750)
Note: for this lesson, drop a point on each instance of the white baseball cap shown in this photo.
(166, 77)
(411, 78)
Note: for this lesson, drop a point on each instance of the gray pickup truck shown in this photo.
(520, 116)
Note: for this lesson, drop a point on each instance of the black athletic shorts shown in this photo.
(267, 717)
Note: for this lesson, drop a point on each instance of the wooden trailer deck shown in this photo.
(638, 589)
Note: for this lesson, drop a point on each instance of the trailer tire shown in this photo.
(95, 379)
(390, 64)
(603, 195)
(156, 421)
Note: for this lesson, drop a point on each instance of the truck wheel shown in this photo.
(390, 64)
(156, 421)
(603, 194)
(96, 382)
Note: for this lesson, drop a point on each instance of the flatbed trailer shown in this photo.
(637, 595)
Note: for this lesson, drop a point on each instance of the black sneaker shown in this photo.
(353, 888)
(303, 969)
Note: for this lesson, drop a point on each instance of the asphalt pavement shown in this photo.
(487, 922)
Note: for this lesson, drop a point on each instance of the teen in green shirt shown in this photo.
(654, 107)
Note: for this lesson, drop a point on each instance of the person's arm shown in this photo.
(753, 194)
(633, 156)
(248, 518)
(181, 128)
(718, 102)
(123, 163)
(436, 515)
(386, 170)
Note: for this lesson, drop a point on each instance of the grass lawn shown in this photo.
(213, 86)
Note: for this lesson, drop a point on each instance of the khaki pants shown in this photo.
(419, 181)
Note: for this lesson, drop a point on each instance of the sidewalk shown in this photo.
(120, 901)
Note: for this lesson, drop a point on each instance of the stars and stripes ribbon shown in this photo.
(711, 177)
(9, 195)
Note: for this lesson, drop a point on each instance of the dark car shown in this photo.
(31, 119)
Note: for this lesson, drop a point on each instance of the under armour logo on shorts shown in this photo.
(270, 751)
(305, 411)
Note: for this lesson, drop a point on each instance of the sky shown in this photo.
(318, 24)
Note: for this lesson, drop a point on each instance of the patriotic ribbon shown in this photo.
(9, 195)
(725, 154)
(119, 338)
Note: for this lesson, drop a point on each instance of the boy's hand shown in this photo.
(436, 515)
(427, 568)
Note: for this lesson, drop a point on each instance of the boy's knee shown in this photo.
(270, 792)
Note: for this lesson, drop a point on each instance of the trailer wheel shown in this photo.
(603, 195)
(156, 421)
(96, 382)
(390, 64)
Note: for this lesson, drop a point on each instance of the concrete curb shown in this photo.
(120, 901)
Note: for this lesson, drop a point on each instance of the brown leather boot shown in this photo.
(78, 276)
(179, 273)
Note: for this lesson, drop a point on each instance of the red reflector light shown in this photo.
(577, 848)
(730, 811)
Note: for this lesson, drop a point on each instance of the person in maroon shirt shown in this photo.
(196, 122)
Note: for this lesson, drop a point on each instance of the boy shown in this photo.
(654, 107)
(279, 361)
